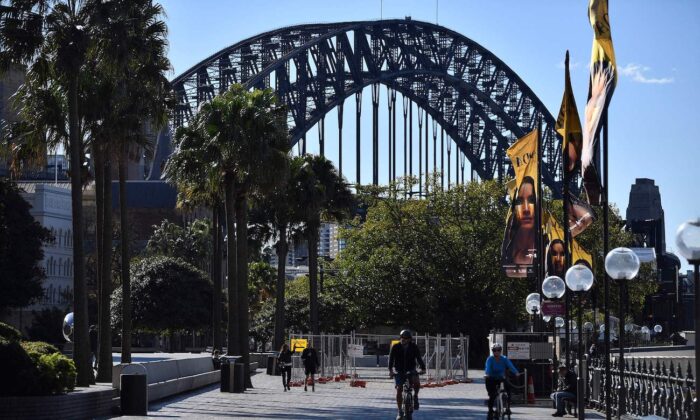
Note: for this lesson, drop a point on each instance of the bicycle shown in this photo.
(502, 402)
(407, 396)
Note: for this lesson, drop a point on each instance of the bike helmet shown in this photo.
(406, 334)
(496, 346)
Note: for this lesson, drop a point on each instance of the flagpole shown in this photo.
(608, 373)
(567, 253)
(538, 211)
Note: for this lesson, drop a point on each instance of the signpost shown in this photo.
(553, 308)
(355, 350)
(299, 344)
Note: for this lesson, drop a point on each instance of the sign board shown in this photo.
(394, 342)
(355, 350)
(298, 344)
(553, 308)
(519, 351)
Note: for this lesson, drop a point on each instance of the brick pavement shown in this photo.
(334, 401)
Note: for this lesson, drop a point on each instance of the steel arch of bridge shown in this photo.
(477, 99)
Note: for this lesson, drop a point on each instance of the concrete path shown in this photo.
(334, 401)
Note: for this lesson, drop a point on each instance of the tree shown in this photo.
(169, 295)
(21, 252)
(190, 243)
(275, 215)
(325, 196)
(51, 40)
(432, 265)
(238, 140)
(133, 52)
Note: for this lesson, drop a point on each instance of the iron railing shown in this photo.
(651, 388)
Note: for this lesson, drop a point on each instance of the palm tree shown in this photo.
(277, 215)
(238, 140)
(132, 46)
(326, 196)
(50, 39)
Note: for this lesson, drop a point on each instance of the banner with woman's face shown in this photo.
(519, 248)
(556, 251)
(580, 215)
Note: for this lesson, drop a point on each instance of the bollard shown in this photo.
(133, 392)
(238, 378)
(226, 376)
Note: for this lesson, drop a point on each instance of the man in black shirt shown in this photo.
(403, 358)
(567, 389)
(310, 359)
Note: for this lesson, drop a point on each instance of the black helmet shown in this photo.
(496, 346)
(406, 334)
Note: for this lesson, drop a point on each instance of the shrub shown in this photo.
(19, 373)
(39, 347)
(9, 332)
(57, 373)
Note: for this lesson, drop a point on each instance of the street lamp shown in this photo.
(688, 244)
(580, 279)
(68, 327)
(622, 264)
(553, 287)
(533, 306)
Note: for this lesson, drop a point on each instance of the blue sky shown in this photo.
(653, 111)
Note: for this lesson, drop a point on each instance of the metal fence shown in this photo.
(446, 357)
(651, 388)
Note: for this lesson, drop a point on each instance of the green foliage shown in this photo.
(261, 284)
(57, 373)
(39, 347)
(9, 332)
(47, 325)
(19, 374)
(21, 240)
(431, 265)
(168, 295)
(191, 243)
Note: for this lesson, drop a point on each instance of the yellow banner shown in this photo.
(600, 90)
(569, 125)
(556, 257)
(298, 344)
(519, 243)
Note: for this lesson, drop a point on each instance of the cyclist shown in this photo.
(496, 366)
(402, 359)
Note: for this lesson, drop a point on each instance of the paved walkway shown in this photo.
(334, 401)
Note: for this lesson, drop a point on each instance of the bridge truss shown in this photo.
(469, 93)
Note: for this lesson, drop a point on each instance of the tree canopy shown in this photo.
(168, 295)
(21, 252)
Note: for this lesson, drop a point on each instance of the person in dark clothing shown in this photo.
(402, 366)
(310, 359)
(216, 359)
(93, 345)
(285, 364)
(567, 389)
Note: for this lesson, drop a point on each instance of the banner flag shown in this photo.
(579, 213)
(569, 126)
(555, 255)
(519, 248)
(600, 90)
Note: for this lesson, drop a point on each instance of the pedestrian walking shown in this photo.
(310, 359)
(284, 361)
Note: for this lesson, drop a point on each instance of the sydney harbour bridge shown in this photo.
(467, 104)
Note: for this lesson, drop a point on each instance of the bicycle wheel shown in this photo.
(499, 406)
(407, 405)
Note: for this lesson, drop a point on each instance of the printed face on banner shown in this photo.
(556, 258)
(519, 249)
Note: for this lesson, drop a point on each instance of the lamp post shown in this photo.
(579, 278)
(553, 287)
(533, 306)
(688, 244)
(622, 264)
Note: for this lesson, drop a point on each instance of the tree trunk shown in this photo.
(126, 280)
(81, 348)
(282, 249)
(104, 367)
(313, 282)
(216, 278)
(98, 164)
(242, 280)
(233, 342)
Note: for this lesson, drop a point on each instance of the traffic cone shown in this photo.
(530, 390)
